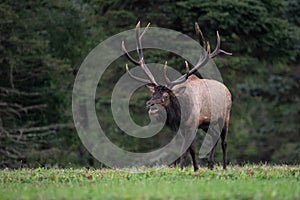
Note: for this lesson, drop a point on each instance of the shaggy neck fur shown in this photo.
(173, 113)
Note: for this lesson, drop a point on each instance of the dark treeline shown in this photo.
(43, 43)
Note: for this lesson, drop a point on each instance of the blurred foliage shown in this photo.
(43, 43)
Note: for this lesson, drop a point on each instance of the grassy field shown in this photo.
(248, 182)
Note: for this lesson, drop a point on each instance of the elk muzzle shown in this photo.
(153, 109)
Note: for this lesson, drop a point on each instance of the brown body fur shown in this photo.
(203, 102)
(208, 95)
(211, 100)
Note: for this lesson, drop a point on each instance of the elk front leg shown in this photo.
(193, 150)
(188, 141)
(183, 160)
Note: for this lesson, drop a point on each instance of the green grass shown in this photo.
(248, 182)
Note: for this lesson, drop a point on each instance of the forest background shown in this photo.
(43, 44)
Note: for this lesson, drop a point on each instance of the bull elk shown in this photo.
(200, 97)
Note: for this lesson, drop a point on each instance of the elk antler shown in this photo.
(140, 62)
(202, 60)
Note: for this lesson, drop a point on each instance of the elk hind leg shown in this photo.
(215, 135)
(211, 161)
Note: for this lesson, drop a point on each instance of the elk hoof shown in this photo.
(210, 165)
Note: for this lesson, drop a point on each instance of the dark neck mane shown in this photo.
(173, 113)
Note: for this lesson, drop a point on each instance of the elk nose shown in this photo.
(149, 104)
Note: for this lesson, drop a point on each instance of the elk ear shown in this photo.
(179, 91)
(151, 87)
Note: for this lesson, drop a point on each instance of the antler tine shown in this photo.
(181, 79)
(138, 40)
(165, 74)
(200, 35)
(208, 48)
(203, 61)
(135, 77)
(128, 56)
(187, 69)
(207, 55)
(200, 63)
(217, 49)
(139, 50)
(146, 28)
(147, 72)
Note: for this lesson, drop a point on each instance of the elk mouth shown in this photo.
(153, 110)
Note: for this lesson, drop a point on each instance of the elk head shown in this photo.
(160, 98)
(164, 97)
